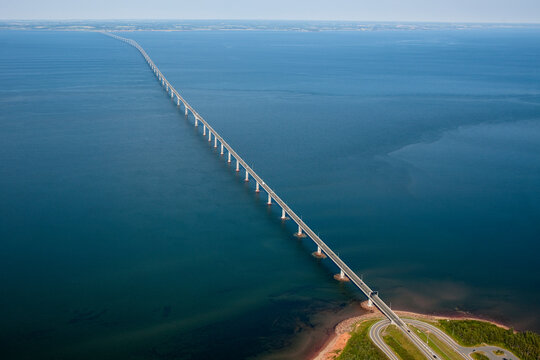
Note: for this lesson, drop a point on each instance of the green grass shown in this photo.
(479, 356)
(445, 352)
(360, 347)
(526, 345)
(405, 349)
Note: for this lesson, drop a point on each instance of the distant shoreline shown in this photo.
(248, 25)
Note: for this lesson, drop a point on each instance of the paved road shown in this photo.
(375, 336)
(463, 351)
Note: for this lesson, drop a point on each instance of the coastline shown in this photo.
(342, 331)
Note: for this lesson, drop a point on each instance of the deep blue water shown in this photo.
(416, 155)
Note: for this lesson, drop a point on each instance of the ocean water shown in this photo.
(124, 235)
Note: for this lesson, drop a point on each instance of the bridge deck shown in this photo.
(378, 302)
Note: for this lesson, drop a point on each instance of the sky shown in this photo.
(359, 10)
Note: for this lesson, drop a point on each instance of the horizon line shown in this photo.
(293, 20)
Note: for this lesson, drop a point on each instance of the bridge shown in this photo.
(304, 230)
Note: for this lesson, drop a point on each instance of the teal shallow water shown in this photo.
(415, 154)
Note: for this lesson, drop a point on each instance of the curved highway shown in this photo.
(375, 336)
(464, 351)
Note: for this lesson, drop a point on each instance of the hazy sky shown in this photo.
(373, 10)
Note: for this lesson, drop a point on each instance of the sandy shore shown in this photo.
(337, 341)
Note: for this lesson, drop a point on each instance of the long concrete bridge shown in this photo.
(304, 230)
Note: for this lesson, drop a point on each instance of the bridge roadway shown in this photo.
(286, 210)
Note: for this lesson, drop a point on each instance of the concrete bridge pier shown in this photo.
(221, 153)
(237, 166)
(209, 136)
(299, 233)
(247, 177)
(215, 142)
(269, 202)
(341, 276)
(283, 214)
(257, 187)
(370, 298)
(178, 102)
(229, 157)
(319, 254)
(204, 130)
(172, 94)
(196, 120)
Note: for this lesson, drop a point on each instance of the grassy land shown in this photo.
(445, 352)
(405, 349)
(526, 345)
(360, 347)
(479, 356)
